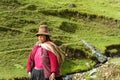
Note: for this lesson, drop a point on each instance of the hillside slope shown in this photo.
(69, 22)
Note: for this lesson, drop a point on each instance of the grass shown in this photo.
(68, 65)
(13, 62)
(69, 22)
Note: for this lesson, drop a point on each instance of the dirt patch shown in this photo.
(68, 27)
(113, 50)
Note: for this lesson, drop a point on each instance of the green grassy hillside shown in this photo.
(96, 21)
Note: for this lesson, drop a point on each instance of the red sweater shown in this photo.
(50, 62)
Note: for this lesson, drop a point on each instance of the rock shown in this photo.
(92, 72)
(106, 71)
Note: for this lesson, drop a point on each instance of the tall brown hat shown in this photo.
(43, 29)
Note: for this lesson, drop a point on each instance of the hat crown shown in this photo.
(43, 29)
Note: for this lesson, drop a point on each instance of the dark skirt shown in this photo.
(37, 75)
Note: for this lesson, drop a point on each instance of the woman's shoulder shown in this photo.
(50, 43)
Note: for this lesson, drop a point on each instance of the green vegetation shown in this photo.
(79, 65)
(96, 21)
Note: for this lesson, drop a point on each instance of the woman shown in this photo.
(45, 59)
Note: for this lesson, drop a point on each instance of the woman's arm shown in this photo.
(54, 65)
(53, 62)
(30, 62)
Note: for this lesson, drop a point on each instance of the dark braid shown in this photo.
(48, 38)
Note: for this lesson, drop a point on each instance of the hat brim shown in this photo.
(37, 34)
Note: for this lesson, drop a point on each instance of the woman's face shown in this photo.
(41, 38)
